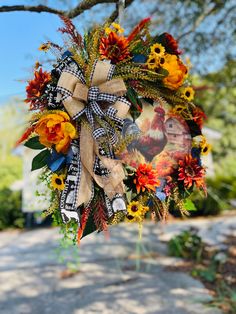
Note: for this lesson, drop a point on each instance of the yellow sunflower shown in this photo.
(130, 218)
(57, 181)
(118, 28)
(45, 47)
(152, 62)
(188, 93)
(158, 50)
(162, 61)
(205, 147)
(178, 109)
(135, 209)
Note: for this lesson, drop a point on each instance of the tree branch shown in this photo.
(29, 8)
(199, 20)
(115, 13)
(76, 11)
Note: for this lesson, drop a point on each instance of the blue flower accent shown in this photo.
(139, 58)
(159, 191)
(67, 53)
(195, 152)
(57, 160)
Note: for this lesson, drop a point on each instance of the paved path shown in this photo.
(31, 283)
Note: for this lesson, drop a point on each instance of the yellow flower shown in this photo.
(177, 71)
(45, 47)
(130, 218)
(205, 147)
(188, 93)
(178, 109)
(107, 30)
(55, 129)
(135, 209)
(162, 61)
(152, 62)
(118, 28)
(158, 50)
(57, 181)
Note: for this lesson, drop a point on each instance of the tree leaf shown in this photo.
(40, 160)
(189, 205)
(34, 143)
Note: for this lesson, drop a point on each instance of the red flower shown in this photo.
(36, 87)
(199, 116)
(191, 172)
(170, 43)
(146, 178)
(114, 48)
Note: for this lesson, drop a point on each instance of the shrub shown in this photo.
(187, 245)
(221, 190)
(10, 209)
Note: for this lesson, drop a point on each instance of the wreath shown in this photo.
(119, 136)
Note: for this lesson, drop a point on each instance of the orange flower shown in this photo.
(114, 47)
(55, 129)
(191, 172)
(146, 178)
(36, 86)
(164, 167)
(177, 71)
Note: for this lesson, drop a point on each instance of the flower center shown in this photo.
(130, 217)
(205, 149)
(134, 208)
(187, 94)
(190, 171)
(162, 60)
(58, 181)
(157, 50)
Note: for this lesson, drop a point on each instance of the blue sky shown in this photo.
(21, 33)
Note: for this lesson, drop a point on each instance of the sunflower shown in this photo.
(188, 93)
(158, 50)
(114, 48)
(161, 61)
(135, 209)
(118, 28)
(45, 47)
(152, 62)
(57, 181)
(178, 109)
(190, 172)
(146, 178)
(204, 146)
(130, 218)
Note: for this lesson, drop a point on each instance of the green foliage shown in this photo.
(34, 143)
(10, 209)
(217, 96)
(186, 245)
(10, 171)
(40, 160)
(221, 190)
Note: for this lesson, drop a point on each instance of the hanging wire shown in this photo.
(121, 9)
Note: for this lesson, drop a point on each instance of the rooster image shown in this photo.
(153, 141)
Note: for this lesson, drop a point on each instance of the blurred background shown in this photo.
(206, 33)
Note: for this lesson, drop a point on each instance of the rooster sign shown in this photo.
(160, 139)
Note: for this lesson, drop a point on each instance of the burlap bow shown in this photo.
(104, 108)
